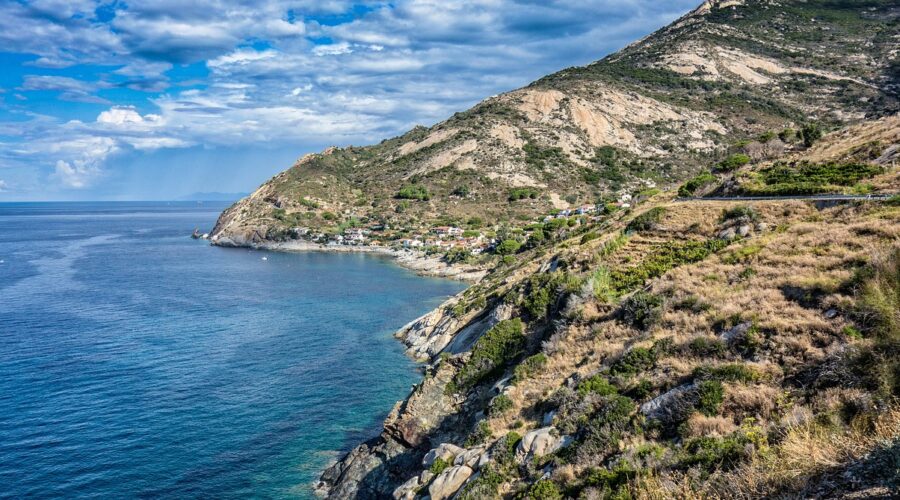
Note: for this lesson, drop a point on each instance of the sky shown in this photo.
(159, 99)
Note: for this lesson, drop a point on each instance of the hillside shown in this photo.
(686, 348)
(667, 300)
(650, 115)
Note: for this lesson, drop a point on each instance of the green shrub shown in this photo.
(614, 480)
(810, 134)
(544, 290)
(413, 192)
(713, 452)
(612, 245)
(691, 186)
(439, 465)
(461, 191)
(602, 285)
(500, 405)
(544, 489)
(481, 434)
(484, 485)
(740, 211)
(705, 346)
(497, 347)
(634, 361)
(662, 260)
(523, 193)
(642, 310)
(508, 247)
(596, 384)
(646, 220)
(731, 372)
(852, 332)
(787, 135)
(733, 162)
(710, 394)
(586, 237)
(528, 368)
(806, 178)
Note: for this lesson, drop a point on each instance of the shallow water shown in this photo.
(135, 361)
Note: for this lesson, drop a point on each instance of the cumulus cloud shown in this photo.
(298, 72)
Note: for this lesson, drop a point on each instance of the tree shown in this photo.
(508, 247)
(810, 134)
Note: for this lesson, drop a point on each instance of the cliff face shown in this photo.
(661, 347)
(652, 114)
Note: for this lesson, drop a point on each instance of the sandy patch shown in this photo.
(433, 138)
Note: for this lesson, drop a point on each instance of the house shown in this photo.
(447, 231)
(355, 235)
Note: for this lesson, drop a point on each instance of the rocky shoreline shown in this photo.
(418, 262)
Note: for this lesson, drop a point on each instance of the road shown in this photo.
(814, 197)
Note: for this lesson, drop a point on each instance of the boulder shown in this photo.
(736, 332)
(469, 457)
(407, 490)
(743, 230)
(540, 442)
(448, 482)
(444, 451)
(727, 234)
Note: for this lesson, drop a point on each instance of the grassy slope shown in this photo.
(785, 343)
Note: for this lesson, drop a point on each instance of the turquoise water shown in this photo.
(136, 362)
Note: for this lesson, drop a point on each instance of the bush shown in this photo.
(544, 291)
(481, 434)
(691, 186)
(646, 220)
(461, 191)
(614, 480)
(733, 162)
(439, 465)
(810, 134)
(710, 394)
(530, 367)
(500, 405)
(601, 285)
(523, 193)
(596, 384)
(712, 452)
(634, 361)
(642, 310)
(787, 135)
(508, 247)
(741, 211)
(705, 346)
(544, 489)
(586, 237)
(662, 260)
(413, 192)
(497, 347)
(483, 485)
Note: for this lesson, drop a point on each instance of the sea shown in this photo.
(136, 362)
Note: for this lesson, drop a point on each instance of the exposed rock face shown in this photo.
(541, 442)
(444, 451)
(449, 482)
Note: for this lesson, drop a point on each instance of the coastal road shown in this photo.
(814, 197)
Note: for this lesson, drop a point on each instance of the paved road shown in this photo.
(814, 197)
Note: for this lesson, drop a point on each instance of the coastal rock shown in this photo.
(472, 457)
(541, 442)
(445, 451)
(449, 482)
(360, 474)
(407, 490)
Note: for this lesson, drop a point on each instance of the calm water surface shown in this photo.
(136, 362)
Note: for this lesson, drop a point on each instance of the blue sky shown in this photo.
(157, 99)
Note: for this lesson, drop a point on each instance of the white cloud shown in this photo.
(3, 186)
(272, 82)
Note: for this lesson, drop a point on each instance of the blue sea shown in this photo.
(137, 362)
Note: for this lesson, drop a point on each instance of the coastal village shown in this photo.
(441, 239)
